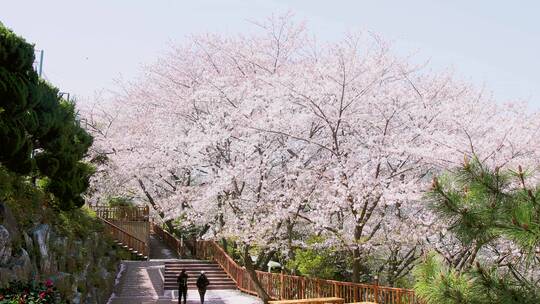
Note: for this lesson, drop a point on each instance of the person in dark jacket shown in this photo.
(202, 284)
(182, 281)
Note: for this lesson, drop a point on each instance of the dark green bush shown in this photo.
(40, 136)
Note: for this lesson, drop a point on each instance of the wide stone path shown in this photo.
(138, 282)
(142, 282)
(219, 297)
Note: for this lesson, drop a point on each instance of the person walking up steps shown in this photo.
(182, 286)
(202, 283)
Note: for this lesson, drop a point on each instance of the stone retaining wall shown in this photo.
(83, 268)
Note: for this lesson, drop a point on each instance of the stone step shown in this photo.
(188, 261)
(212, 282)
(195, 276)
(173, 265)
(221, 278)
(139, 255)
(218, 278)
(193, 268)
(194, 279)
(170, 286)
(210, 287)
(181, 262)
(195, 272)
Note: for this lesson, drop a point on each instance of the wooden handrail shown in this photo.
(124, 237)
(125, 213)
(332, 300)
(171, 241)
(289, 287)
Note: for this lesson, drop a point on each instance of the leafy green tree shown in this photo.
(39, 132)
(482, 206)
(120, 201)
(324, 263)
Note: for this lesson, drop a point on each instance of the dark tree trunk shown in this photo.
(356, 255)
(168, 223)
(253, 276)
(291, 255)
(225, 246)
(262, 261)
(356, 265)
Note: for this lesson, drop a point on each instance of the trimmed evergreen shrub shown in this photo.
(40, 136)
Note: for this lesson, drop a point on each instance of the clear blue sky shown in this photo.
(87, 44)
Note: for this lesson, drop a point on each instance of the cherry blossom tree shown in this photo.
(268, 138)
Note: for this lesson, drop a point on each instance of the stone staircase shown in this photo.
(216, 275)
(127, 238)
(135, 255)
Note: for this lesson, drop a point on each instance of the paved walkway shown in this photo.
(141, 282)
(219, 297)
(138, 282)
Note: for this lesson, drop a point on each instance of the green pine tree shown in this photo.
(481, 206)
(40, 136)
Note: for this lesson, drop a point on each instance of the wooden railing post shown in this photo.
(291, 287)
(281, 286)
(302, 294)
(270, 285)
(126, 238)
(376, 289)
(128, 225)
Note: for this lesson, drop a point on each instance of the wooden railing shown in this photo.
(333, 300)
(133, 243)
(124, 213)
(181, 247)
(289, 287)
(139, 229)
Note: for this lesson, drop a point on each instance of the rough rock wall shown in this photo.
(83, 268)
